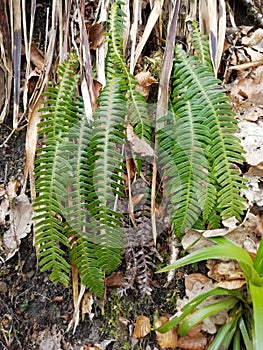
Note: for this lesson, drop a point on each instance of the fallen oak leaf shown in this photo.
(193, 278)
(168, 339)
(194, 340)
(142, 327)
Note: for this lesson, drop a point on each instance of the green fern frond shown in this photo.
(198, 148)
(136, 104)
(225, 149)
(106, 167)
(84, 251)
(77, 181)
(185, 163)
(58, 116)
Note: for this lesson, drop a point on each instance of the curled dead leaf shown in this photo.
(168, 339)
(86, 306)
(145, 81)
(193, 278)
(36, 57)
(194, 340)
(138, 145)
(142, 327)
(20, 218)
(96, 35)
(227, 273)
(116, 279)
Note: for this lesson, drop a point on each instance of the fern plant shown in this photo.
(198, 148)
(79, 169)
(77, 180)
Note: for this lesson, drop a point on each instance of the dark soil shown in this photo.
(34, 310)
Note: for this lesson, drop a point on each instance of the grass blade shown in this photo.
(205, 312)
(223, 249)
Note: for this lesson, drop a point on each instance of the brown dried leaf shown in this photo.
(142, 327)
(168, 339)
(227, 273)
(194, 340)
(256, 171)
(95, 35)
(138, 145)
(97, 88)
(32, 82)
(86, 306)
(137, 198)
(116, 279)
(247, 90)
(193, 278)
(235, 284)
(20, 218)
(254, 39)
(145, 81)
(36, 57)
(160, 212)
(195, 284)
